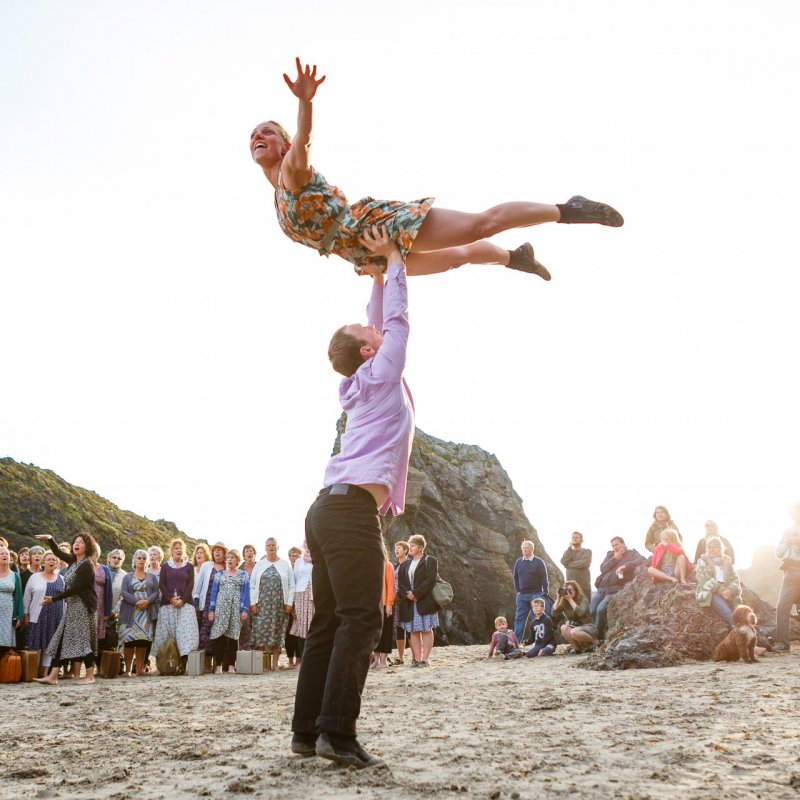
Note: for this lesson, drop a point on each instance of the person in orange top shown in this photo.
(387, 633)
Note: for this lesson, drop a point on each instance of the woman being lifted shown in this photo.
(317, 214)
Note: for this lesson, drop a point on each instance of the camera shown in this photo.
(561, 592)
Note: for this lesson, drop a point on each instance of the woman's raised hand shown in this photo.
(305, 86)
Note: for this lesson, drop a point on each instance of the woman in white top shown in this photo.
(42, 621)
(303, 603)
(271, 598)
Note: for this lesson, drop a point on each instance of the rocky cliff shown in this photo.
(35, 500)
(462, 501)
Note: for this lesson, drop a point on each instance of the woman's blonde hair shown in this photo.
(671, 535)
(715, 540)
(205, 548)
(176, 542)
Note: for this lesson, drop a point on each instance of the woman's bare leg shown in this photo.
(51, 678)
(443, 227)
(661, 576)
(416, 646)
(483, 252)
(427, 645)
(566, 632)
(430, 263)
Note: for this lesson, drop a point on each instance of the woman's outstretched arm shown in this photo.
(296, 167)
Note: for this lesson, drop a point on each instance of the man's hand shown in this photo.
(379, 243)
(210, 616)
(372, 268)
(305, 87)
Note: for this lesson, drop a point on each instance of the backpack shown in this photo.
(168, 660)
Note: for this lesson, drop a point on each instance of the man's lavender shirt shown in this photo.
(376, 445)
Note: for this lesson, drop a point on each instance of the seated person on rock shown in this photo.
(718, 584)
(617, 569)
(579, 629)
(504, 642)
(669, 560)
(539, 630)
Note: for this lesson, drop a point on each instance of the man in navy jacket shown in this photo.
(530, 581)
(617, 569)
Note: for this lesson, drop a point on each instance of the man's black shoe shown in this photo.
(304, 744)
(346, 750)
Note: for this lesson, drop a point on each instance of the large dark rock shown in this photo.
(462, 501)
(661, 625)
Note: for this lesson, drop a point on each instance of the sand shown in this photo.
(466, 727)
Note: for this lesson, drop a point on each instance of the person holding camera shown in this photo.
(579, 629)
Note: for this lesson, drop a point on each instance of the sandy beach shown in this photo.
(465, 727)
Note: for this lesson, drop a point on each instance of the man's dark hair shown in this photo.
(618, 539)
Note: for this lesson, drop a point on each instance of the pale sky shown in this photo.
(165, 344)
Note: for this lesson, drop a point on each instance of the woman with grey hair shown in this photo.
(115, 560)
(138, 612)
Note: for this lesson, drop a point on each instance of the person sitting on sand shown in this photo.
(504, 642)
(539, 627)
(316, 214)
(579, 629)
(670, 563)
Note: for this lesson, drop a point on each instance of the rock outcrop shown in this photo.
(461, 500)
(35, 500)
(661, 625)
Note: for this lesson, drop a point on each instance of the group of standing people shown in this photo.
(69, 607)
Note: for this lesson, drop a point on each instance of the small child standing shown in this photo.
(504, 642)
(541, 631)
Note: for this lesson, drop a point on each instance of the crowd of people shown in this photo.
(579, 612)
(63, 603)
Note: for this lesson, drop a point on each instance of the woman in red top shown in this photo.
(670, 562)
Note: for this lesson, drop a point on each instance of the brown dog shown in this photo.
(741, 639)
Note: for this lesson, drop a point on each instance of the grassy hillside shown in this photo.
(35, 500)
